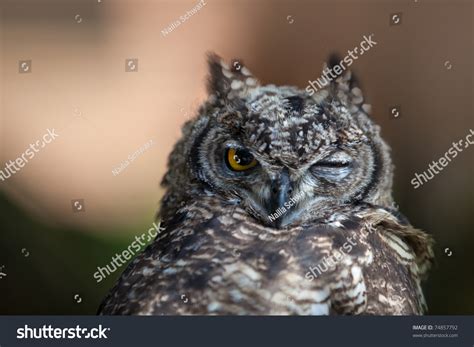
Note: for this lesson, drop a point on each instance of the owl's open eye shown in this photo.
(239, 159)
(334, 167)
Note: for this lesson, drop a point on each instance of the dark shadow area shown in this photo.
(47, 267)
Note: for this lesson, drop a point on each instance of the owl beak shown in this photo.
(281, 189)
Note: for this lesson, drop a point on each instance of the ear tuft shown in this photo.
(339, 67)
(345, 85)
(229, 81)
(216, 80)
(333, 60)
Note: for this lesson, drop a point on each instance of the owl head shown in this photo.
(281, 154)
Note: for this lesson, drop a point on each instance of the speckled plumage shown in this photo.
(231, 247)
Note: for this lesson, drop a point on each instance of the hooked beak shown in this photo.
(281, 190)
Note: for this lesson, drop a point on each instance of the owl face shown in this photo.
(281, 154)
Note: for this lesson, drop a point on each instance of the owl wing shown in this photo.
(403, 255)
(402, 258)
(372, 263)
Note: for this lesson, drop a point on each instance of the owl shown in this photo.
(278, 202)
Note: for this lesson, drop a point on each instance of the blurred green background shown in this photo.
(47, 267)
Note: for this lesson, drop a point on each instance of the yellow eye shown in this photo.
(239, 159)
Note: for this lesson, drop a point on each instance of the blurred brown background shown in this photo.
(79, 86)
